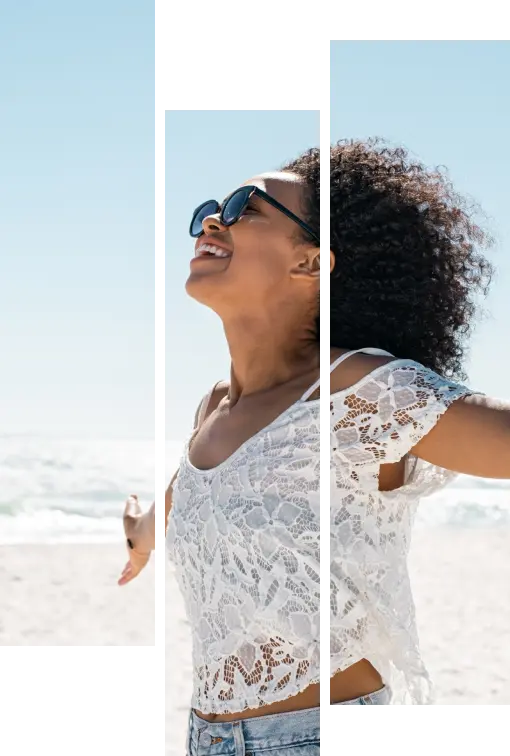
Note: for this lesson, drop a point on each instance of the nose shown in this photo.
(212, 223)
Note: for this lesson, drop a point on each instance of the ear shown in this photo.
(309, 265)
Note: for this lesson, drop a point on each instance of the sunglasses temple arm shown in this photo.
(291, 215)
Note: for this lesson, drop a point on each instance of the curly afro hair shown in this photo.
(408, 262)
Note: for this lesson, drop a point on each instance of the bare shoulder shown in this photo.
(213, 398)
(354, 368)
(220, 392)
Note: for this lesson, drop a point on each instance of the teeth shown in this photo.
(212, 250)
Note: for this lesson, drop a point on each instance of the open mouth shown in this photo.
(212, 251)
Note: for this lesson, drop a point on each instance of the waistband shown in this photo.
(242, 736)
(382, 696)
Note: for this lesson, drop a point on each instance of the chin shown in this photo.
(208, 290)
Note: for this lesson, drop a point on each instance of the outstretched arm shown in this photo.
(472, 437)
(140, 528)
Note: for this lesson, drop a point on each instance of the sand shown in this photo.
(67, 595)
(461, 581)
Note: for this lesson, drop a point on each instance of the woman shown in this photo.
(243, 526)
(407, 269)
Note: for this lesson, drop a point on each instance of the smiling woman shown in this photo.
(243, 506)
(260, 215)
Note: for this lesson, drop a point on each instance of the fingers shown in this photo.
(132, 514)
(127, 574)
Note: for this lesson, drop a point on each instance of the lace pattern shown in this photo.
(378, 421)
(244, 539)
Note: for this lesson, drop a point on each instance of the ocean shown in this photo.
(66, 491)
(70, 491)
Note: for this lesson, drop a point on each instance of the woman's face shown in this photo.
(264, 257)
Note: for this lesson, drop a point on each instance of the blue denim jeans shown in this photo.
(294, 733)
(382, 696)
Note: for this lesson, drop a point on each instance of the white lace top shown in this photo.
(244, 539)
(378, 421)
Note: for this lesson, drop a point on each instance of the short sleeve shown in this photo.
(387, 413)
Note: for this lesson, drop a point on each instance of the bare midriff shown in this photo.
(358, 680)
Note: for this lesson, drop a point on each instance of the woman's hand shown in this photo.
(139, 530)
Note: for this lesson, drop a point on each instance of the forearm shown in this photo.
(147, 526)
(152, 516)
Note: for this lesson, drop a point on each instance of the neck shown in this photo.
(267, 351)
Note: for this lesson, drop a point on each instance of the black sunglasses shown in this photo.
(234, 206)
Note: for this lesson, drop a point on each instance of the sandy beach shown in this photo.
(461, 580)
(67, 595)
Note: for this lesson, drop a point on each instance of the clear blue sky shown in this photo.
(446, 102)
(78, 224)
(76, 201)
(77, 218)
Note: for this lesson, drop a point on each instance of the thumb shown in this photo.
(132, 508)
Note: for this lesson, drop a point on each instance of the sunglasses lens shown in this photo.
(234, 206)
(210, 208)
